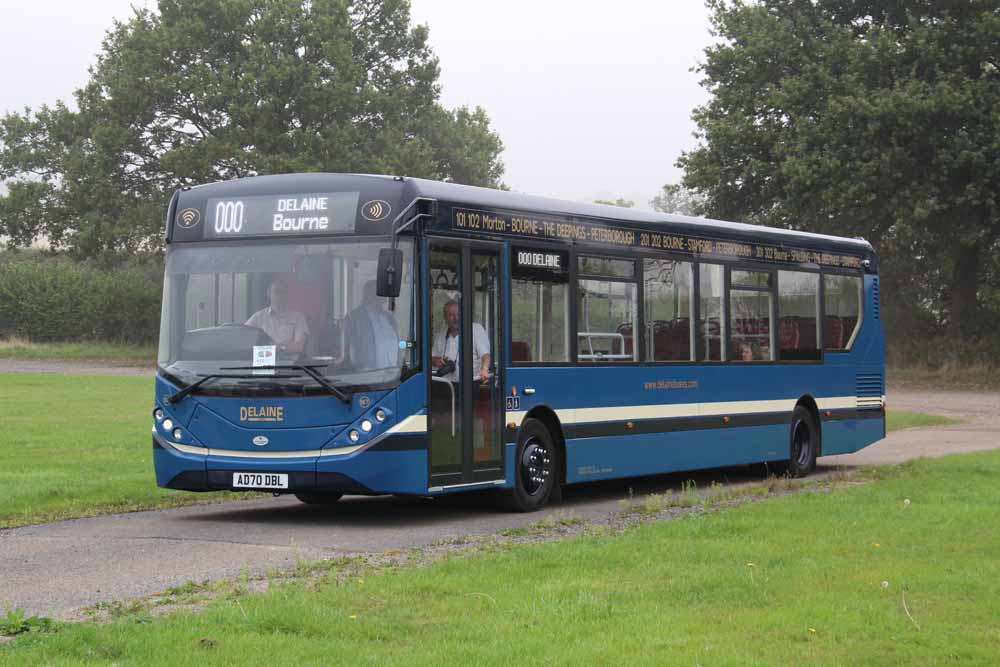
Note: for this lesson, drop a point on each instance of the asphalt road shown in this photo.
(55, 569)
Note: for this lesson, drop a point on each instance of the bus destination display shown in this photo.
(528, 226)
(280, 215)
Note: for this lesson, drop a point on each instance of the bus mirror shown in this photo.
(390, 272)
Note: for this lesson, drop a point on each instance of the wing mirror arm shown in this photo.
(390, 260)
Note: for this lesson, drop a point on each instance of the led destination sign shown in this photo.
(278, 215)
(540, 264)
(536, 227)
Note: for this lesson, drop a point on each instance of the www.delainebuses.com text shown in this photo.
(572, 231)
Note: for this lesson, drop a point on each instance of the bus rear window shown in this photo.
(841, 311)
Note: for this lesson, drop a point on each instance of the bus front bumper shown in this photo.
(361, 473)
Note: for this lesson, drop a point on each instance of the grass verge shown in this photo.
(900, 419)
(74, 446)
(21, 349)
(897, 572)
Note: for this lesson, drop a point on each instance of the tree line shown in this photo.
(874, 118)
(207, 90)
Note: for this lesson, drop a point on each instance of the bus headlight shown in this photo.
(167, 425)
(177, 434)
(380, 415)
(366, 426)
(353, 436)
(158, 414)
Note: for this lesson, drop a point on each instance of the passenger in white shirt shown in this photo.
(445, 345)
(287, 328)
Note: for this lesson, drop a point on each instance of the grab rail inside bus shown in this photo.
(589, 337)
(451, 387)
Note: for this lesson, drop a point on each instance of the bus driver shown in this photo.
(286, 327)
(445, 346)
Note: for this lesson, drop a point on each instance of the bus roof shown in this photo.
(471, 195)
(404, 189)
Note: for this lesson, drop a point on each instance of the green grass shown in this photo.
(73, 446)
(18, 348)
(811, 578)
(899, 419)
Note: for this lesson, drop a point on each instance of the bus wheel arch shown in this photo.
(803, 443)
(538, 467)
(547, 416)
(809, 403)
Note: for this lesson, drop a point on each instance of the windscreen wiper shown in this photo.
(308, 370)
(204, 379)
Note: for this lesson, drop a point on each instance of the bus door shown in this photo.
(464, 390)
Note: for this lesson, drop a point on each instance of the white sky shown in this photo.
(592, 99)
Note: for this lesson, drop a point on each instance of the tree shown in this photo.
(861, 117)
(621, 202)
(679, 200)
(205, 90)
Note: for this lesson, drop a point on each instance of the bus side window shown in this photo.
(607, 309)
(751, 294)
(798, 316)
(711, 324)
(667, 307)
(539, 327)
(841, 311)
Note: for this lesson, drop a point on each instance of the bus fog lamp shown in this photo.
(167, 424)
(366, 426)
(380, 415)
(177, 434)
(353, 436)
(158, 413)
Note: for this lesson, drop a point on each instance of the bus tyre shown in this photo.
(319, 497)
(536, 469)
(803, 444)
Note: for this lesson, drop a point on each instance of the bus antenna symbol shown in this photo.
(189, 217)
(376, 210)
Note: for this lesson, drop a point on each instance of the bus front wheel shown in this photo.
(803, 444)
(319, 498)
(536, 469)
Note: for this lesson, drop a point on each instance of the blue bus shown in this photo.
(330, 334)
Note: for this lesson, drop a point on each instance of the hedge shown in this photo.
(53, 298)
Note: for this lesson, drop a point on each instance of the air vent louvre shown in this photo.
(869, 389)
(876, 299)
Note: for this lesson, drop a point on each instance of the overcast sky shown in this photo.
(591, 99)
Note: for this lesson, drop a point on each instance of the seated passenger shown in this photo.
(287, 328)
(373, 340)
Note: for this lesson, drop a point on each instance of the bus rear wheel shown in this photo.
(536, 469)
(803, 444)
(319, 498)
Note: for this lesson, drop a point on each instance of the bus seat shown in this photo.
(520, 350)
(807, 333)
(834, 332)
(626, 331)
(681, 339)
(661, 340)
(788, 333)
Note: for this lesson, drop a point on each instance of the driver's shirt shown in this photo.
(282, 328)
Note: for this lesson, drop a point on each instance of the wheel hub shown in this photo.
(536, 467)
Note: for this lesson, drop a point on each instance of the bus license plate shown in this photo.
(259, 480)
